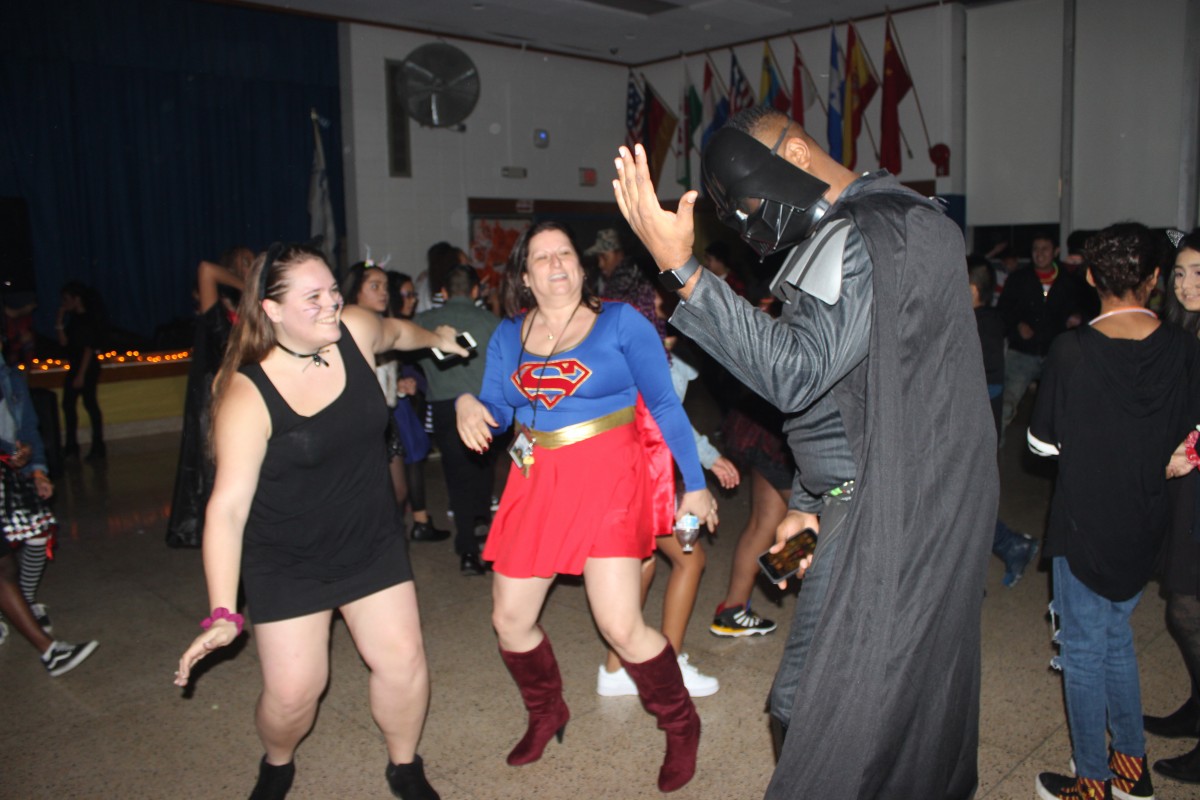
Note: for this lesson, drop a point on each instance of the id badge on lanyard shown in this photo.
(521, 452)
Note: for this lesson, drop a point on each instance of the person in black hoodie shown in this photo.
(1117, 395)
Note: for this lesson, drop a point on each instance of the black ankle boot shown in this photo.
(407, 781)
(1185, 768)
(1184, 722)
(273, 782)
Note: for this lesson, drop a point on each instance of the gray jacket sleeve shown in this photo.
(793, 360)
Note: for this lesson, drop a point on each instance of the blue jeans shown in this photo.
(808, 609)
(1100, 672)
(1020, 370)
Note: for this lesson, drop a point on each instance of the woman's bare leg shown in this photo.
(768, 507)
(516, 605)
(294, 654)
(649, 566)
(386, 627)
(614, 591)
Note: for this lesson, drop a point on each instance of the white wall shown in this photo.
(580, 103)
(1129, 65)
(1014, 93)
(1128, 88)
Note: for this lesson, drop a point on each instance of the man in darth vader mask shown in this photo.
(876, 360)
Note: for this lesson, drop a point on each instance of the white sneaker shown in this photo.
(698, 684)
(615, 684)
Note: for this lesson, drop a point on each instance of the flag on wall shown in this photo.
(660, 131)
(320, 207)
(691, 111)
(740, 95)
(860, 86)
(715, 105)
(833, 127)
(635, 114)
(771, 89)
(896, 83)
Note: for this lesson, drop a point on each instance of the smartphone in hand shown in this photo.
(465, 340)
(786, 563)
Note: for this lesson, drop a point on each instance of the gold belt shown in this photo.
(573, 434)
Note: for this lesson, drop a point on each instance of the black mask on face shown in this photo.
(770, 203)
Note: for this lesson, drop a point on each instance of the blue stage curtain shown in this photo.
(146, 135)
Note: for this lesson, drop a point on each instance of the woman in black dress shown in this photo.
(302, 512)
(217, 287)
(82, 330)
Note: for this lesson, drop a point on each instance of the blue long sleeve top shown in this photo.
(620, 357)
(16, 395)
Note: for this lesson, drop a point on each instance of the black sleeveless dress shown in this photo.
(324, 528)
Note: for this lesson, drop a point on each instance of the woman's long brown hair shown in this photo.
(253, 337)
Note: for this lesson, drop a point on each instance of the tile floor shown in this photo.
(117, 728)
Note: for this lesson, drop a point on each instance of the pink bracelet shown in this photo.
(223, 613)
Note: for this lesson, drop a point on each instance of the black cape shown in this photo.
(195, 471)
(889, 702)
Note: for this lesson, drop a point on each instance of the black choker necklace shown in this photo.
(315, 356)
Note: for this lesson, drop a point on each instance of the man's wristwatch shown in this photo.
(675, 279)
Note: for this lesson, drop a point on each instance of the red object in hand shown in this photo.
(1189, 448)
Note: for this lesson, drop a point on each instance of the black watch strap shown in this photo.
(675, 279)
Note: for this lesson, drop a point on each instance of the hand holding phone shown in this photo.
(465, 340)
(778, 567)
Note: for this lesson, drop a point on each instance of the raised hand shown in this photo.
(668, 236)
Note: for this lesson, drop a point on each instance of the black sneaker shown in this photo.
(1131, 777)
(425, 532)
(471, 565)
(62, 657)
(1052, 786)
(739, 621)
(43, 617)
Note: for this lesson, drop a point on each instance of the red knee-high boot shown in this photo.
(537, 676)
(660, 685)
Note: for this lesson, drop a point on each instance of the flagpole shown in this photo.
(917, 97)
(778, 71)
(813, 80)
(774, 60)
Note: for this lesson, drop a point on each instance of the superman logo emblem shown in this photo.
(551, 381)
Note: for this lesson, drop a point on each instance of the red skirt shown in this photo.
(591, 499)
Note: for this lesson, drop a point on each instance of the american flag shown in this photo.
(635, 114)
(740, 95)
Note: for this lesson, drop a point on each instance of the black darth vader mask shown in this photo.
(770, 203)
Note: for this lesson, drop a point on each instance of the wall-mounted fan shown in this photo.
(441, 85)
